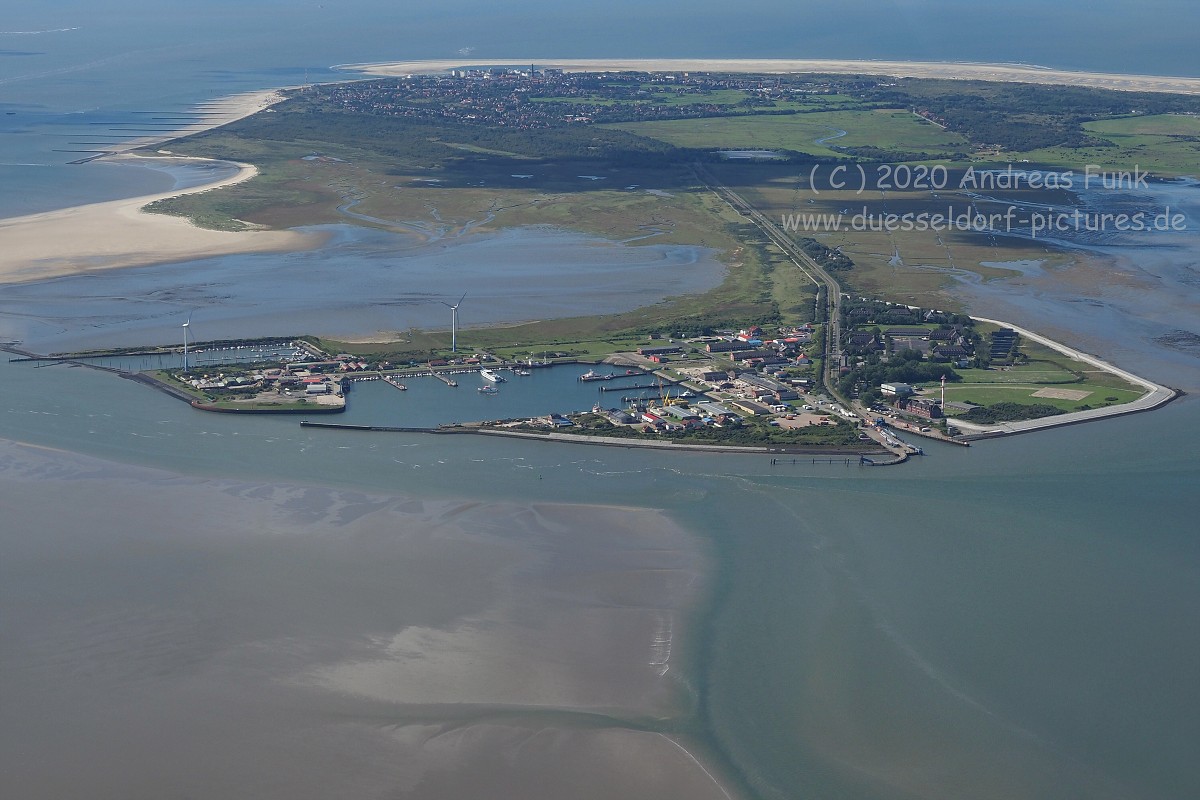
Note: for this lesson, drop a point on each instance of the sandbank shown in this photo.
(209, 114)
(118, 233)
(1008, 73)
(314, 642)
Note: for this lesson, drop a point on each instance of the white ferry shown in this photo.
(488, 375)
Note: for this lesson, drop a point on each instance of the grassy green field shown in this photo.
(719, 97)
(1154, 125)
(989, 394)
(915, 267)
(1039, 372)
(1046, 369)
(418, 179)
(885, 129)
(635, 203)
(1166, 144)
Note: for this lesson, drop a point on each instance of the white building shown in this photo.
(896, 389)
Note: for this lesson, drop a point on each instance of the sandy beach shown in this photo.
(1009, 73)
(211, 114)
(118, 233)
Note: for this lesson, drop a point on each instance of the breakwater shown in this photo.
(608, 441)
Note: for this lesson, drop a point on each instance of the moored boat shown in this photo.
(488, 375)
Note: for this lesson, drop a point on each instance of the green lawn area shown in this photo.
(1166, 144)
(474, 148)
(587, 100)
(1046, 369)
(721, 97)
(1041, 355)
(885, 129)
(1046, 366)
(580, 348)
(810, 101)
(989, 394)
(1041, 372)
(1154, 125)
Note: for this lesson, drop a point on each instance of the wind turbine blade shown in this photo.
(459, 303)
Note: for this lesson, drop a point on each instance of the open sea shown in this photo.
(1014, 619)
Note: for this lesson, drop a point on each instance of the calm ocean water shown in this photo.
(361, 282)
(72, 72)
(1017, 619)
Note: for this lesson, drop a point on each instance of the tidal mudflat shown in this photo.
(362, 282)
(165, 633)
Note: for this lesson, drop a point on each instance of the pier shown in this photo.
(822, 456)
(341, 426)
(861, 460)
(775, 462)
(635, 386)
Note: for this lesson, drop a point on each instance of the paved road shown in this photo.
(1155, 396)
(818, 275)
(814, 271)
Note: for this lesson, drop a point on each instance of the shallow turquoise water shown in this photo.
(1019, 614)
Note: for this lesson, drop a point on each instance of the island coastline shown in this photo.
(121, 233)
(1006, 73)
(96, 236)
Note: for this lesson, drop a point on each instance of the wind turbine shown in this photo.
(185, 327)
(454, 322)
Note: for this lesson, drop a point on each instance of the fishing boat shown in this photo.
(531, 364)
(488, 390)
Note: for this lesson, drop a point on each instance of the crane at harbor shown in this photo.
(664, 394)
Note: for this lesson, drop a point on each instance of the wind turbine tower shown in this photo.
(454, 322)
(185, 327)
